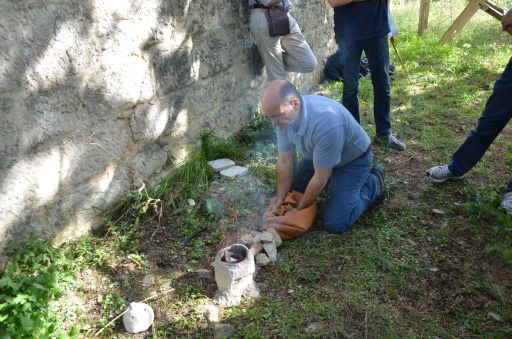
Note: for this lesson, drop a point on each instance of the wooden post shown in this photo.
(463, 18)
(424, 9)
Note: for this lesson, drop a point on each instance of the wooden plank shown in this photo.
(463, 18)
(423, 22)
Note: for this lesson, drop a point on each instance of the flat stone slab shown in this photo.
(221, 164)
(235, 171)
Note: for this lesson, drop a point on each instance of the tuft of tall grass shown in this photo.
(215, 147)
(195, 170)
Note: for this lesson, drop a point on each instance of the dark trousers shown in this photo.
(377, 52)
(351, 189)
(496, 115)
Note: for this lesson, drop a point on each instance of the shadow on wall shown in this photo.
(52, 168)
(76, 133)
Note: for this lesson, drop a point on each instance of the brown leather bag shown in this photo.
(278, 21)
(290, 225)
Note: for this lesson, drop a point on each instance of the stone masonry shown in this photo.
(99, 96)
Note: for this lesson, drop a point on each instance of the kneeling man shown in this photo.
(336, 155)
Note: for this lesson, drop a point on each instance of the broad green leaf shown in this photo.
(26, 323)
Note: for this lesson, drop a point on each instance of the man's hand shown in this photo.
(275, 207)
(281, 208)
(339, 3)
(315, 187)
(285, 169)
(506, 22)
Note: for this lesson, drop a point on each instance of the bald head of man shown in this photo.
(281, 102)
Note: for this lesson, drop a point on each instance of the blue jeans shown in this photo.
(496, 115)
(377, 52)
(351, 189)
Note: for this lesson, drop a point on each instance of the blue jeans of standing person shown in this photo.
(496, 115)
(351, 189)
(377, 53)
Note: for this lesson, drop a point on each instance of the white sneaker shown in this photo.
(506, 204)
(441, 174)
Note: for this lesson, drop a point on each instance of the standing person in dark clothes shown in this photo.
(496, 115)
(362, 25)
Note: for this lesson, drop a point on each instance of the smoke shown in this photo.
(239, 203)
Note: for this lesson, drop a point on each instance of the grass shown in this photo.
(404, 270)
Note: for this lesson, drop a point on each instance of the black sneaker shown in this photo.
(256, 61)
(379, 172)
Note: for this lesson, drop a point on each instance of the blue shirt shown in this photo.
(327, 133)
(361, 20)
(287, 3)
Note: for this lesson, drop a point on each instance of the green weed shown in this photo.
(36, 275)
(111, 305)
(259, 128)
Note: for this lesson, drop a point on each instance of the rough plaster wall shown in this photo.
(97, 96)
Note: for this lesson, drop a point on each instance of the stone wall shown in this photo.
(98, 96)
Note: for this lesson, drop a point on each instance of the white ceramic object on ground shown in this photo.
(138, 318)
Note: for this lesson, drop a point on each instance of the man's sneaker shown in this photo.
(506, 204)
(441, 174)
(391, 141)
(256, 61)
(379, 172)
